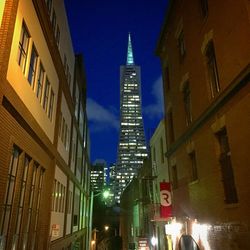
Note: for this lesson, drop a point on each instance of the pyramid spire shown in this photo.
(130, 58)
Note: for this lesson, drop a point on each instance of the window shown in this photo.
(57, 35)
(63, 199)
(40, 81)
(166, 78)
(187, 103)
(162, 150)
(46, 94)
(181, 45)
(212, 69)
(58, 197)
(37, 204)
(32, 68)
(174, 177)
(76, 211)
(24, 171)
(21, 199)
(53, 196)
(67, 71)
(49, 5)
(64, 132)
(69, 79)
(170, 127)
(226, 168)
(23, 47)
(154, 154)
(9, 195)
(53, 21)
(194, 174)
(64, 62)
(204, 7)
(51, 104)
(66, 135)
(70, 194)
(63, 129)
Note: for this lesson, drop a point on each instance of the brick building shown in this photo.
(205, 53)
(44, 162)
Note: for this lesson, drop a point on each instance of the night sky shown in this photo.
(99, 31)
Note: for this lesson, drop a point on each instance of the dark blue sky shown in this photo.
(99, 31)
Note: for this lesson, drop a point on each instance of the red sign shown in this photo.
(166, 200)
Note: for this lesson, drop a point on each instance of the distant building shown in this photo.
(112, 169)
(132, 146)
(205, 55)
(98, 176)
(44, 145)
(112, 176)
(102, 162)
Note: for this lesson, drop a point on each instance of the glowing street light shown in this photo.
(106, 194)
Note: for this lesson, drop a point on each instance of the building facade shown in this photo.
(132, 146)
(205, 53)
(160, 174)
(45, 170)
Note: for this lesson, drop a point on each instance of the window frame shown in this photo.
(194, 170)
(212, 69)
(33, 66)
(40, 82)
(23, 47)
(174, 176)
(51, 104)
(181, 44)
(227, 171)
(187, 102)
(46, 93)
(170, 126)
(204, 8)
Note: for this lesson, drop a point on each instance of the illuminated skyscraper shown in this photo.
(132, 146)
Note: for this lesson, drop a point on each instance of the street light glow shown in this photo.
(106, 194)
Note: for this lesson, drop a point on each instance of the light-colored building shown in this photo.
(132, 145)
(205, 54)
(45, 172)
(160, 173)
